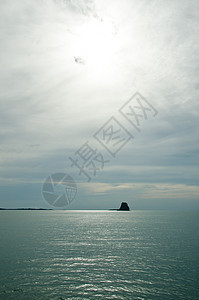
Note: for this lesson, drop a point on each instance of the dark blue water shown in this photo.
(99, 255)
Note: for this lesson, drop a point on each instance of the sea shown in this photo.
(99, 255)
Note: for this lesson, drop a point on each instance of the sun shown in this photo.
(95, 44)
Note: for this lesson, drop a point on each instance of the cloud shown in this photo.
(49, 101)
(103, 188)
(171, 191)
(145, 190)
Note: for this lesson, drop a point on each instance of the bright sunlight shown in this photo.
(95, 44)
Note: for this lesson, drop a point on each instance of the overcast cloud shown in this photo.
(62, 78)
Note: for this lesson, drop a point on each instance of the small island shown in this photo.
(124, 207)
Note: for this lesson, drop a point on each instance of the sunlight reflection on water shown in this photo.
(98, 255)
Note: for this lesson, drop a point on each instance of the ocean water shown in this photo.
(99, 255)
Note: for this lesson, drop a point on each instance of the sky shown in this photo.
(68, 70)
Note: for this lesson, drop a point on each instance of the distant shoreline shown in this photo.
(26, 208)
(111, 209)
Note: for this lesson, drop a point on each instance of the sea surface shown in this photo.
(99, 255)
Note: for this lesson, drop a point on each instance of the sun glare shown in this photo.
(95, 44)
